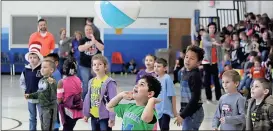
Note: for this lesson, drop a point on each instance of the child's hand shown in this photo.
(50, 80)
(111, 123)
(154, 100)
(179, 120)
(222, 120)
(26, 96)
(127, 95)
(85, 119)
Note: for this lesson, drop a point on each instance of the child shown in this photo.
(149, 63)
(101, 89)
(191, 104)
(178, 66)
(69, 93)
(255, 43)
(29, 81)
(130, 67)
(140, 115)
(257, 71)
(166, 109)
(57, 76)
(237, 56)
(260, 107)
(55, 58)
(245, 44)
(244, 87)
(47, 96)
(230, 112)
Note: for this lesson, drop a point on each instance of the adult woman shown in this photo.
(213, 55)
(89, 47)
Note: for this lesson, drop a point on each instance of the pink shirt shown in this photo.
(71, 86)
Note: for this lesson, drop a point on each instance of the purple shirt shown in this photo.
(143, 73)
(109, 86)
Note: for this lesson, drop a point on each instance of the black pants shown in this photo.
(212, 70)
(69, 123)
(175, 75)
(164, 122)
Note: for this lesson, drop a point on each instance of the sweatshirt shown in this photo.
(29, 80)
(191, 84)
(47, 93)
(232, 108)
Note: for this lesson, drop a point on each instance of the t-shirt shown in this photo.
(86, 56)
(168, 90)
(131, 115)
(95, 95)
(232, 108)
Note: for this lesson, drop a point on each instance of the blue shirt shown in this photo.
(166, 93)
(57, 75)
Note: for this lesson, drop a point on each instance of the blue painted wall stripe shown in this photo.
(134, 37)
(137, 31)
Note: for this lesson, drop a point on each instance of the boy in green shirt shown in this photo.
(140, 115)
(47, 96)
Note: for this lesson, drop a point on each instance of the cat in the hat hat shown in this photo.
(35, 48)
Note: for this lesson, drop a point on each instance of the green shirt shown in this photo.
(131, 115)
(46, 94)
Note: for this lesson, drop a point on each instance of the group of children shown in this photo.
(154, 95)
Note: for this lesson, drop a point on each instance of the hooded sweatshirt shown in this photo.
(29, 80)
(260, 117)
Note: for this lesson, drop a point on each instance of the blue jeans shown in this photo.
(32, 108)
(264, 55)
(85, 76)
(100, 125)
(245, 83)
(193, 122)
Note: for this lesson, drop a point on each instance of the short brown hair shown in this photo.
(266, 84)
(258, 59)
(234, 75)
(101, 58)
(78, 32)
(162, 61)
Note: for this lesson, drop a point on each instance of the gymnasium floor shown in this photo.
(15, 112)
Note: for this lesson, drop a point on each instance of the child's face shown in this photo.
(243, 37)
(254, 39)
(251, 58)
(140, 91)
(229, 85)
(181, 54)
(226, 57)
(257, 90)
(149, 62)
(159, 69)
(257, 64)
(33, 59)
(191, 60)
(98, 66)
(46, 69)
(52, 59)
(265, 35)
(63, 34)
(235, 37)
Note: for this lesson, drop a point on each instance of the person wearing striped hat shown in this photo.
(29, 80)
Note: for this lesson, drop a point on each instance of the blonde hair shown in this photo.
(234, 75)
(78, 33)
(102, 58)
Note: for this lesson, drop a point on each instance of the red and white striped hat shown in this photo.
(35, 47)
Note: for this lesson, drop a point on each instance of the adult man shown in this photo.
(44, 37)
(89, 21)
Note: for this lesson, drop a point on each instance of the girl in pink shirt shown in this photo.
(69, 93)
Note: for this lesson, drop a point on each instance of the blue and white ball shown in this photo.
(117, 14)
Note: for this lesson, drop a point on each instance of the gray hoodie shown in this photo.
(207, 46)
